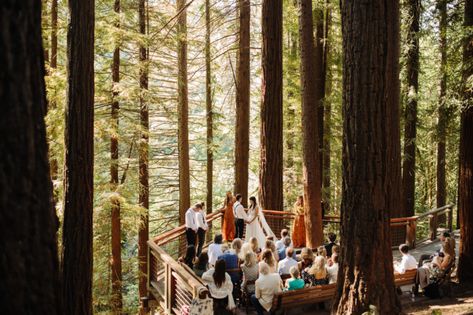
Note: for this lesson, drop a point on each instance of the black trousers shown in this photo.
(239, 226)
(201, 240)
(190, 237)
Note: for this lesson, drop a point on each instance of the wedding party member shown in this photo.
(220, 287)
(240, 217)
(287, 263)
(202, 228)
(408, 262)
(191, 224)
(215, 249)
(256, 224)
(267, 285)
(228, 224)
(298, 231)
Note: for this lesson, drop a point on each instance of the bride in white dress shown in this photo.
(256, 225)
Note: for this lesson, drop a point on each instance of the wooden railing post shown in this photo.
(433, 226)
(450, 219)
(411, 233)
(169, 289)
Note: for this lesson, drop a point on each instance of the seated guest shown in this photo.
(271, 246)
(236, 245)
(408, 262)
(255, 246)
(332, 237)
(280, 243)
(321, 251)
(295, 282)
(445, 261)
(215, 249)
(285, 264)
(231, 262)
(316, 274)
(332, 270)
(445, 236)
(307, 258)
(267, 285)
(245, 249)
(201, 264)
(220, 287)
(268, 257)
(250, 271)
(286, 244)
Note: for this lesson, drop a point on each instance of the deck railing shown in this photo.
(172, 285)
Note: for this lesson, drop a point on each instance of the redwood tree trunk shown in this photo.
(366, 270)
(208, 103)
(79, 152)
(143, 232)
(410, 113)
(183, 112)
(271, 164)
(116, 261)
(320, 65)
(311, 73)
(29, 268)
(242, 128)
(465, 180)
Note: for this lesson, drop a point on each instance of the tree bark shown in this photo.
(366, 270)
(29, 267)
(410, 113)
(143, 232)
(465, 180)
(208, 103)
(53, 65)
(78, 182)
(311, 80)
(183, 112)
(271, 162)
(319, 61)
(242, 128)
(442, 122)
(116, 261)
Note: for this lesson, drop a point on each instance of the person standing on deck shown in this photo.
(191, 224)
(228, 224)
(202, 228)
(298, 231)
(240, 217)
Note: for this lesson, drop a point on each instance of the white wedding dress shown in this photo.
(259, 228)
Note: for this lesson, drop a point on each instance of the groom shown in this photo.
(240, 217)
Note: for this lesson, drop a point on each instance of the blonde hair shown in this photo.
(268, 257)
(236, 245)
(270, 245)
(263, 268)
(254, 244)
(321, 251)
(294, 271)
(245, 249)
(250, 259)
(448, 248)
(318, 268)
(306, 253)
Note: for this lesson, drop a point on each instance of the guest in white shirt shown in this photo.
(332, 269)
(267, 285)
(285, 265)
(202, 228)
(191, 224)
(215, 249)
(408, 262)
(220, 287)
(240, 217)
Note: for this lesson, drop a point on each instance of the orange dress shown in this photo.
(298, 231)
(228, 225)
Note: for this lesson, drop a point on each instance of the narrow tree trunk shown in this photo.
(319, 56)
(366, 270)
(116, 261)
(242, 128)
(465, 180)
(442, 122)
(44, 25)
(271, 164)
(410, 113)
(143, 232)
(29, 270)
(78, 182)
(208, 101)
(183, 112)
(311, 72)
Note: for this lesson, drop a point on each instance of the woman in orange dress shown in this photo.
(228, 225)
(298, 231)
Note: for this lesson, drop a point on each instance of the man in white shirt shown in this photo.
(202, 228)
(408, 262)
(332, 270)
(286, 264)
(240, 217)
(267, 285)
(191, 224)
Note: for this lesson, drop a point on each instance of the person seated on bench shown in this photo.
(268, 258)
(445, 236)
(408, 262)
(271, 246)
(332, 237)
(220, 287)
(282, 252)
(445, 261)
(250, 271)
(267, 285)
(237, 243)
(321, 251)
(280, 243)
(287, 263)
(201, 264)
(317, 273)
(255, 246)
(215, 249)
(231, 262)
(295, 282)
(307, 258)
(332, 269)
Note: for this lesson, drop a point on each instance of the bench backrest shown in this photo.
(313, 294)
(406, 278)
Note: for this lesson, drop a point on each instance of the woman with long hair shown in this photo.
(228, 225)
(201, 264)
(317, 273)
(298, 231)
(220, 287)
(257, 225)
(268, 257)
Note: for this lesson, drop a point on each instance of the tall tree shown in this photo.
(366, 275)
(78, 182)
(116, 261)
(28, 224)
(442, 112)
(319, 61)
(410, 113)
(271, 164)
(183, 111)
(208, 105)
(465, 180)
(311, 73)
(143, 232)
(53, 65)
(242, 128)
